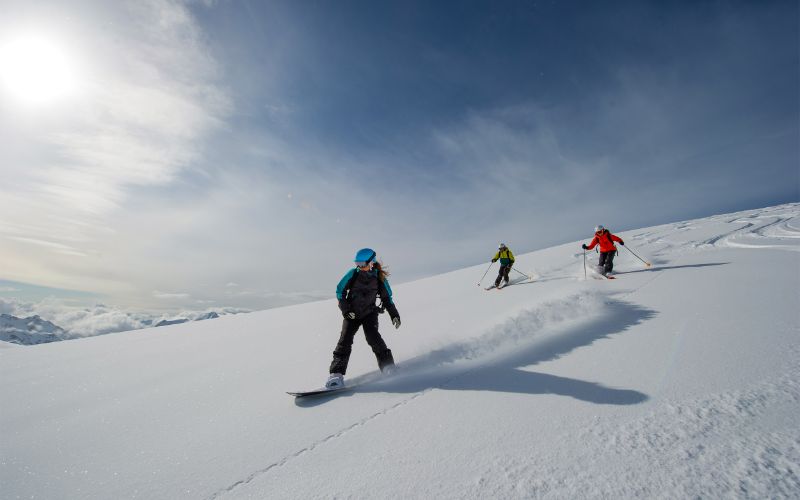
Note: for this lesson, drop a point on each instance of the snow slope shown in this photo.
(678, 380)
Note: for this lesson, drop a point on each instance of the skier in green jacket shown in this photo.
(506, 259)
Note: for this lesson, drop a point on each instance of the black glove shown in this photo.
(584, 247)
(392, 311)
(393, 314)
(622, 243)
(346, 312)
(494, 260)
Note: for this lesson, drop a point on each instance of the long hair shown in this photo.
(383, 271)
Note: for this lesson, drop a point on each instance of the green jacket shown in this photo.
(505, 256)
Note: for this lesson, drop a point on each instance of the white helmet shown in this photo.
(598, 228)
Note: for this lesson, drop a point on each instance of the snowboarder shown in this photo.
(506, 261)
(608, 250)
(357, 292)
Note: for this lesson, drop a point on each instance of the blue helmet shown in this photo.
(365, 255)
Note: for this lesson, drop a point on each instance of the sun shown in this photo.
(35, 70)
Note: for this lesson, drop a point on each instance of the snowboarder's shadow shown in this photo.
(527, 382)
(511, 373)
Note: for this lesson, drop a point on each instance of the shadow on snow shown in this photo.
(471, 366)
(665, 268)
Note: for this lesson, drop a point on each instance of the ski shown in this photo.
(599, 275)
(527, 279)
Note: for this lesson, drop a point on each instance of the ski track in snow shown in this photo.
(762, 236)
(773, 228)
(722, 237)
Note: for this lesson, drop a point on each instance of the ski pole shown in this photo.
(487, 272)
(520, 272)
(584, 263)
(634, 254)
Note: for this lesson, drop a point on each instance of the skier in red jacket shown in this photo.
(605, 239)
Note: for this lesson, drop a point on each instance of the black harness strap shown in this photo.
(349, 284)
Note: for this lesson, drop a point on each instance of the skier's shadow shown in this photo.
(666, 268)
(503, 373)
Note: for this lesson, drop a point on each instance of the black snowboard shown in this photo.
(322, 391)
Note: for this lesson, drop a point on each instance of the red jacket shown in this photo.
(606, 241)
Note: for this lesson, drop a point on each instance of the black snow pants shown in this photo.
(503, 274)
(341, 355)
(607, 261)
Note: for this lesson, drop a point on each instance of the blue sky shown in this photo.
(204, 154)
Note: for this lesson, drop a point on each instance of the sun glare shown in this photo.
(35, 70)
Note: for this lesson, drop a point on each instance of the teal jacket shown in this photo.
(342, 286)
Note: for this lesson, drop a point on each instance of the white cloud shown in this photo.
(149, 100)
(170, 296)
(99, 319)
(58, 247)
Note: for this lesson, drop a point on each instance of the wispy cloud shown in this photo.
(150, 96)
(170, 296)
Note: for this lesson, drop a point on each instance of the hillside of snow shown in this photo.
(677, 380)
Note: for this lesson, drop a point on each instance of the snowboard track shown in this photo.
(280, 463)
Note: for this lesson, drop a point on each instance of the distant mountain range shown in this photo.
(167, 322)
(30, 331)
(35, 330)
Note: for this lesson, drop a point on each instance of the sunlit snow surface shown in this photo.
(672, 381)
